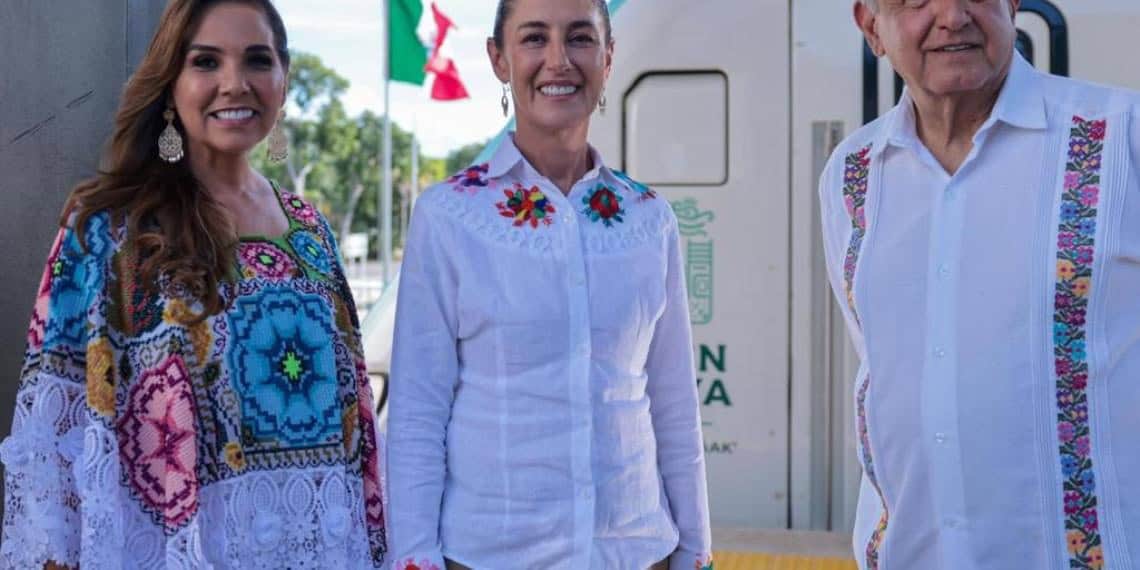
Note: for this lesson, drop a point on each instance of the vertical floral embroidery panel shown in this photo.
(1075, 254)
(857, 169)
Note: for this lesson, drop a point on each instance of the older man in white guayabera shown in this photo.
(983, 238)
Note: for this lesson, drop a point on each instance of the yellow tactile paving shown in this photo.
(755, 561)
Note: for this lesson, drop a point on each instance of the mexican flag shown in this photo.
(415, 44)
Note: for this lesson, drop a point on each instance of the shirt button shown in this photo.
(939, 352)
(567, 218)
(943, 270)
(940, 437)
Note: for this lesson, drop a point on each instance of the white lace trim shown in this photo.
(78, 512)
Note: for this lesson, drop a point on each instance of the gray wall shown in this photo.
(63, 67)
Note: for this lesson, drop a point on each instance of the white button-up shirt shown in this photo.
(544, 408)
(997, 315)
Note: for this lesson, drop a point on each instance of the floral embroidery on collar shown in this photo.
(643, 192)
(603, 204)
(526, 206)
(472, 177)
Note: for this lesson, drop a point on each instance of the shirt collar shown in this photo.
(507, 159)
(1020, 104)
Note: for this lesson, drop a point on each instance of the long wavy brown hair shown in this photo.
(181, 235)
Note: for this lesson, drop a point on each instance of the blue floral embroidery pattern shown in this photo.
(77, 275)
(643, 192)
(1075, 254)
(310, 250)
(856, 172)
(282, 355)
(603, 204)
(472, 177)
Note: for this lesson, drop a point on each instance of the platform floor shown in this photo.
(781, 550)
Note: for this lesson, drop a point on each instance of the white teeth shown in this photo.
(558, 90)
(957, 48)
(234, 114)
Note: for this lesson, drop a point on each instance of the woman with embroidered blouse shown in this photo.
(544, 409)
(194, 392)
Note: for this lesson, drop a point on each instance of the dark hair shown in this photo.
(178, 231)
(504, 11)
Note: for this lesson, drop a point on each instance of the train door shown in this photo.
(698, 108)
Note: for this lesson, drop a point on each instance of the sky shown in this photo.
(348, 37)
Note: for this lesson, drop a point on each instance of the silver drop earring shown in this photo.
(506, 102)
(602, 102)
(170, 141)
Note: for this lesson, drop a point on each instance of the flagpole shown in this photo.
(385, 210)
(415, 189)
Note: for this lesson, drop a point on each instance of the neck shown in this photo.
(946, 121)
(224, 177)
(947, 124)
(562, 156)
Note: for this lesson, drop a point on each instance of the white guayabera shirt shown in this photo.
(997, 315)
(544, 407)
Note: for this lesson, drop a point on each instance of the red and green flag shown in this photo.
(413, 54)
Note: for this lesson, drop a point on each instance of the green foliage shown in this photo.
(461, 158)
(336, 161)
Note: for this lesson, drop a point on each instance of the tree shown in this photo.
(335, 160)
(461, 158)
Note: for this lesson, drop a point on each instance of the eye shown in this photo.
(205, 62)
(533, 38)
(582, 39)
(261, 61)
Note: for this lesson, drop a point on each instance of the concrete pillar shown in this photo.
(63, 69)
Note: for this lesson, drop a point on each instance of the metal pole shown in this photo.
(415, 188)
(386, 191)
(385, 210)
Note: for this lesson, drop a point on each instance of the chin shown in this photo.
(557, 121)
(958, 82)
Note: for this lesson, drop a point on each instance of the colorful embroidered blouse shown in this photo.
(544, 409)
(244, 441)
(996, 312)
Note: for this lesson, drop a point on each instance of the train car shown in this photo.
(730, 108)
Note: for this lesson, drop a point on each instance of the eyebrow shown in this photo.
(215, 49)
(575, 25)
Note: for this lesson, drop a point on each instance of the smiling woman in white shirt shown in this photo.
(544, 408)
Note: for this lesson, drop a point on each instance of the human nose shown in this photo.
(952, 14)
(557, 58)
(234, 81)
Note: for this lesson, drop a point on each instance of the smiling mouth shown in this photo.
(956, 48)
(558, 90)
(234, 114)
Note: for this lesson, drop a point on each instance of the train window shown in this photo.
(675, 129)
